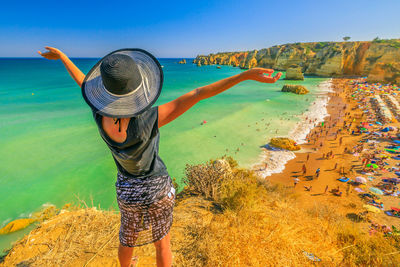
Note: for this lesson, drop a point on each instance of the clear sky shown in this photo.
(187, 28)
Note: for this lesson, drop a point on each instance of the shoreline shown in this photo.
(314, 115)
(346, 111)
(336, 107)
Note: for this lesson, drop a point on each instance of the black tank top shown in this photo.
(137, 156)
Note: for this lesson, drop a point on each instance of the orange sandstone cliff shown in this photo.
(317, 58)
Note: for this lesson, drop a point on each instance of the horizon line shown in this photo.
(91, 57)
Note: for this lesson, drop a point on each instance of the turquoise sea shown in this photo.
(51, 151)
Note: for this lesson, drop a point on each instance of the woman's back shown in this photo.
(133, 143)
(115, 130)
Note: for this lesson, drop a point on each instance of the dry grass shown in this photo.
(206, 179)
(246, 222)
(263, 225)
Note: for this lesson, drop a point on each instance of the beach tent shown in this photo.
(376, 190)
(371, 208)
(361, 180)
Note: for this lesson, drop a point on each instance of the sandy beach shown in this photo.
(330, 149)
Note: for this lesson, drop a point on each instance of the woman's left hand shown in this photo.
(261, 75)
(53, 53)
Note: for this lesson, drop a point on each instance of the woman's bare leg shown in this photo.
(163, 251)
(125, 255)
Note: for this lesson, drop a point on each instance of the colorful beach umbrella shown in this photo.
(374, 166)
(359, 190)
(372, 208)
(376, 190)
(361, 180)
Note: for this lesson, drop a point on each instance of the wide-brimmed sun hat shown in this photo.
(124, 83)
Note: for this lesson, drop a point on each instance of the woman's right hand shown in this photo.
(53, 53)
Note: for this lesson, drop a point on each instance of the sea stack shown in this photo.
(284, 143)
(294, 88)
(183, 61)
(294, 73)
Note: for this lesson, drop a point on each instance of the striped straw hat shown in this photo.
(124, 83)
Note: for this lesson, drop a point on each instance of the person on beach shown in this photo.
(317, 173)
(308, 188)
(121, 89)
(304, 169)
(296, 181)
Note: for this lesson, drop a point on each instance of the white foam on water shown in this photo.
(315, 114)
(5, 222)
(24, 215)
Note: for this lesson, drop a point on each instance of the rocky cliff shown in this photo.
(316, 58)
(294, 73)
(389, 72)
(295, 89)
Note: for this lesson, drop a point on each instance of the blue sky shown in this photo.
(187, 28)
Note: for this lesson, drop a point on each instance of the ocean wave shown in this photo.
(315, 114)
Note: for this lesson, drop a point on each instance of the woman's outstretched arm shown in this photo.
(73, 70)
(172, 110)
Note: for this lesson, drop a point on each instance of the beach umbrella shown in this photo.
(372, 166)
(376, 190)
(361, 180)
(371, 208)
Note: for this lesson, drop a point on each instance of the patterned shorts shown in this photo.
(144, 222)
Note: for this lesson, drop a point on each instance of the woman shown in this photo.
(120, 89)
